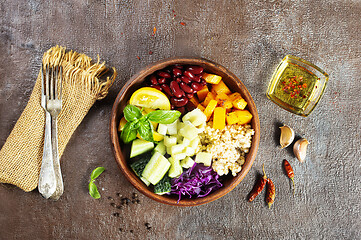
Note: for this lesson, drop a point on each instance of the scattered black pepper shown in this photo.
(125, 201)
(120, 229)
(119, 195)
(110, 198)
(113, 204)
(116, 214)
(138, 201)
(131, 231)
(119, 207)
(148, 226)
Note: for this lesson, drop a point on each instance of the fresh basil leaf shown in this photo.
(145, 130)
(163, 116)
(93, 190)
(96, 172)
(132, 113)
(129, 132)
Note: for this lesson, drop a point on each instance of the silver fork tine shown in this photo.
(47, 82)
(60, 83)
(42, 79)
(56, 70)
(52, 83)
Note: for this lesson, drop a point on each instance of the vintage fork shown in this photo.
(50, 178)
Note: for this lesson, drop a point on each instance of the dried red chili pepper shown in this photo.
(289, 172)
(257, 189)
(271, 192)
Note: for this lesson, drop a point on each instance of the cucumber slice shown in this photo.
(157, 167)
(160, 148)
(139, 165)
(205, 158)
(163, 186)
(140, 146)
(175, 169)
(146, 182)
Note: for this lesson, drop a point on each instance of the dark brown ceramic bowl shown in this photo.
(121, 151)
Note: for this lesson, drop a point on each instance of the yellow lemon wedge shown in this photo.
(149, 97)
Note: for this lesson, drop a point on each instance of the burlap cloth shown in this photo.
(21, 155)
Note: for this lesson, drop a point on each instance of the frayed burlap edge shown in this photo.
(21, 155)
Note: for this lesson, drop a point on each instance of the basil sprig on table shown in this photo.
(139, 123)
(93, 190)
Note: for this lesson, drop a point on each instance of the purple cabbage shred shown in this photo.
(197, 181)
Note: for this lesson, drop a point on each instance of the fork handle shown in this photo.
(54, 142)
(47, 178)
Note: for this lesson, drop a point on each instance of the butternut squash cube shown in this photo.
(219, 118)
(122, 124)
(239, 103)
(202, 93)
(221, 87)
(194, 101)
(234, 96)
(211, 78)
(210, 108)
(200, 106)
(210, 96)
(239, 116)
(224, 101)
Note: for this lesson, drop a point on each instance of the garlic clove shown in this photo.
(287, 136)
(300, 149)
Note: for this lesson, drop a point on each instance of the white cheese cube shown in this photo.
(172, 128)
(196, 117)
(188, 131)
(162, 129)
(205, 158)
(170, 141)
(187, 162)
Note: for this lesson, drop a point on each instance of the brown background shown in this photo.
(247, 37)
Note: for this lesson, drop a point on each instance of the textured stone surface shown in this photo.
(247, 37)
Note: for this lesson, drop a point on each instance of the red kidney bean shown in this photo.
(189, 74)
(197, 78)
(196, 86)
(167, 90)
(172, 107)
(189, 95)
(195, 69)
(179, 102)
(181, 109)
(185, 79)
(177, 72)
(156, 87)
(153, 80)
(178, 66)
(164, 74)
(178, 80)
(162, 80)
(185, 87)
(203, 82)
(176, 89)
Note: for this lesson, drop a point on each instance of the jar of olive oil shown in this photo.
(297, 85)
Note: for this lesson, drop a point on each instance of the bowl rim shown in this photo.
(135, 181)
